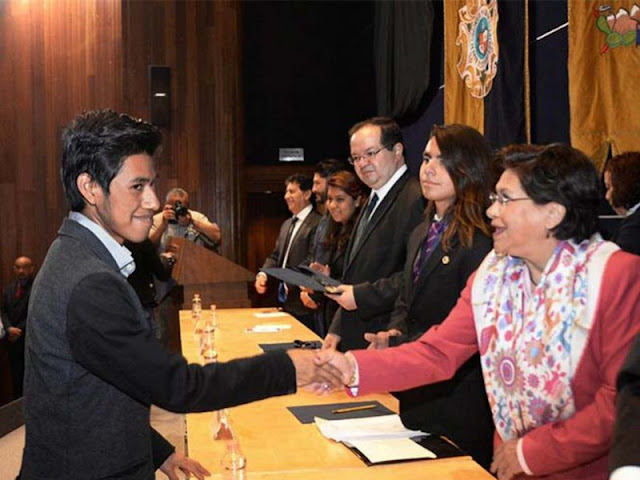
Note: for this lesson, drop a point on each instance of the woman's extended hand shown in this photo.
(505, 461)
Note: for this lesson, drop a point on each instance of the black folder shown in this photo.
(303, 276)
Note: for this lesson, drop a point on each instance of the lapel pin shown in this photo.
(446, 260)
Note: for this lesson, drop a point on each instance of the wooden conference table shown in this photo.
(276, 444)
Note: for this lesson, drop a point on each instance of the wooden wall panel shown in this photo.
(60, 57)
(57, 58)
(199, 41)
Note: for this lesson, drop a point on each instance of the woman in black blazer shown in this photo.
(345, 196)
(456, 178)
(622, 181)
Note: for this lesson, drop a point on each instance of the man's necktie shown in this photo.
(19, 291)
(364, 221)
(282, 291)
(428, 245)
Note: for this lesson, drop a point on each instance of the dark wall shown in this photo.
(308, 76)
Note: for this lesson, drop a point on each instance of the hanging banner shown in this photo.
(461, 103)
(486, 68)
(604, 66)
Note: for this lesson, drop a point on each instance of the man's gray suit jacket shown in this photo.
(94, 367)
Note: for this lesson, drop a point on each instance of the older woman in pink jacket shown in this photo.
(552, 310)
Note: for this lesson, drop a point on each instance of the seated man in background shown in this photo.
(93, 364)
(177, 220)
(15, 302)
(622, 181)
(293, 246)
(624, 461)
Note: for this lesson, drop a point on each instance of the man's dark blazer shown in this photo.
(94, 367)
(14, 311)
(626, 439)
(374, 267)
(627, 235)
(14, 314)
(457, 408)
(298, 254)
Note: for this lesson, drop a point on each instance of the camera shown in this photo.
(180, 210)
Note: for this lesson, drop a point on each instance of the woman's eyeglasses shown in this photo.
(502, 200)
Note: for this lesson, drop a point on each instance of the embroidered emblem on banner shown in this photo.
(478, 41)
(621, 29)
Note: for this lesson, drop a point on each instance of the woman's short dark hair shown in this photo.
(562, 174)
(97, 143)
(466, 155)
(625, 179)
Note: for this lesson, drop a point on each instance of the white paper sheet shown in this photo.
(379, 427)
(391, 449)
(267, 328)
(270, 314)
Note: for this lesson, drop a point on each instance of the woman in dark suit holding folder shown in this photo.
(345, 196)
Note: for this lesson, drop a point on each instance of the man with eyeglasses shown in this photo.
(376, 252)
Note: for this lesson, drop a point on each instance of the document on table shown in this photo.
(376, 440)
(380, 427)
(270, 314)
(268, 328)
(391, 449)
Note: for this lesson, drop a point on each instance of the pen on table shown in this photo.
(353, 409)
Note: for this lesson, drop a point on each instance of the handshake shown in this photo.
(322, 371)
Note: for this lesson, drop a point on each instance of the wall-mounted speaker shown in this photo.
(160, 95)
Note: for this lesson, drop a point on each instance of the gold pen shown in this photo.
(353, 409)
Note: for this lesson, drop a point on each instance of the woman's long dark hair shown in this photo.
(466, 156)
(338, 234)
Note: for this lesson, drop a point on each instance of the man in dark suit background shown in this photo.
(293, 245)
(624, 460)
(377, 250)
(15, 301)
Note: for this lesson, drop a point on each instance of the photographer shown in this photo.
(176, 220)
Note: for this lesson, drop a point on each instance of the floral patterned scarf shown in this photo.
(531, 337)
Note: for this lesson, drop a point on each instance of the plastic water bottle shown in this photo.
(211, 322)
(196, 313)
(196, 305)
(208, 347)
(233, 461)
(220, 427)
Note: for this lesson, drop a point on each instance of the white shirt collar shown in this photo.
(384, 190)
(120, 253)
(633, 209)
(304, 213)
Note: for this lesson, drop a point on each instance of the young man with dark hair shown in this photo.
(93, 364)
